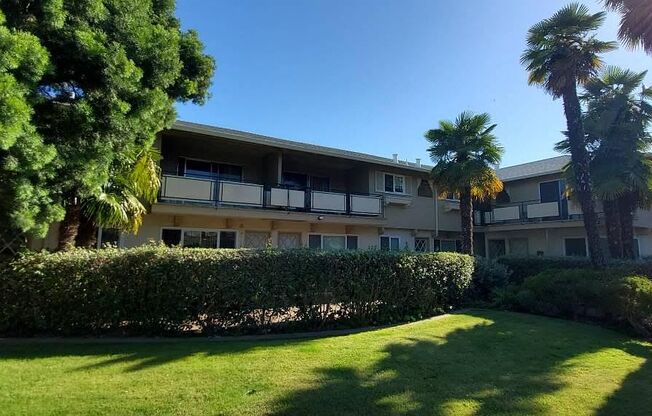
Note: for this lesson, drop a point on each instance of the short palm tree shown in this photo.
(123, 202)
(562, 53)
(465, 151)
(635, 22)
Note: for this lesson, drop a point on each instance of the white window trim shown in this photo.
(217, 230)
(405, 179)
(380, 246)
(98, 243)
(586, 245)
(346, 241)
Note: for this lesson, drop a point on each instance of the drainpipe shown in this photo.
(434, 195)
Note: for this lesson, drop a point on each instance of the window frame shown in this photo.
(217, 175)
(586, 246)
(405, 181)
(217, 230)
(346, 240)
(448, 240)
(430, 245)
(98, 243)
(559, 190)
(380, 239)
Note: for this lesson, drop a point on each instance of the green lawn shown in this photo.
(480, 363)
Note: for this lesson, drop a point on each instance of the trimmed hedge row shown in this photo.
(612, 297)
(159, 290)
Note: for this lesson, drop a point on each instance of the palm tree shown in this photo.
(465, 152)
(123, 202)
(618, 115)
(635, 22)
(561, 54)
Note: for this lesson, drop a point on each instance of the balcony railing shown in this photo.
(527, 212)
(228, 193)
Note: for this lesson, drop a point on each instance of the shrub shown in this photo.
(488, 276)
(525, 266)
(611, 296)
(159, 290)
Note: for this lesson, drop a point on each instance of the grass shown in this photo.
(477, 363)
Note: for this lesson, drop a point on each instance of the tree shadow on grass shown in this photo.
(501, 368)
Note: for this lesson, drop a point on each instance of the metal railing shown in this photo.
(183, 189)
(527, 212)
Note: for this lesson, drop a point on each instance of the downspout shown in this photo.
(434, 195)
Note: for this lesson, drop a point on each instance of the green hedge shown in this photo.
(521, 267)
(158, 290)
(611, 296)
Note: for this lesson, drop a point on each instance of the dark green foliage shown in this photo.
(115, 70)
(612, 297)
(488, 275)
(157, 290)
(521, 267)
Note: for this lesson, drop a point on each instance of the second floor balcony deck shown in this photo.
(528, 212)
(218, 193)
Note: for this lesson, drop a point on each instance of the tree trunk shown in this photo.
(87, 233)
(614, 230)
(466, 213)
(69, 227)
(580, 164)
(626, 207)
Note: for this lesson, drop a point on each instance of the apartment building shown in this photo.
(532, 216)
(225, 189)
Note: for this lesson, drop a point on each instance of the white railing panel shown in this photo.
(507, 213)
(280, 197)
(363, 204)
(328, 201)
(545, 209)
(574, 208)
(183, 188)
(241, 193)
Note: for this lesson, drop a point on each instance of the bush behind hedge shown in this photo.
(159, 290)
(610, 296)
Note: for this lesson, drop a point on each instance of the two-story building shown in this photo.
(224, 188)
(532, 216)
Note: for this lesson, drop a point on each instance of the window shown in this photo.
(575, 247)
(171, 237)
(289, 240)
(192, 238)
(210, 170)
(318, 183)
(424, 189)
(388, 243)
(422, 244)
(497, 248)
(394, 183)
(452, 196)
(448, 245)
(256, 239)
(108, 237)
(549, 191)
(333, 242)
(296, 180)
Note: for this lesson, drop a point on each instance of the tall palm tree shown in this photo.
(617, 119)
(465, 151)
(123, 202)
(562, 52)
(635, 22)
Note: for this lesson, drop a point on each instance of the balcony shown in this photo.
(528, 212)
(219, 193)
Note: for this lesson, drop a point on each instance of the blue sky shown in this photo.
(374, 75)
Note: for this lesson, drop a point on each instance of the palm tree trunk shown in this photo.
(69, 227)
(580, 164)
(466, 213)
(87, 233)
(614, 229)
(627, 206)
